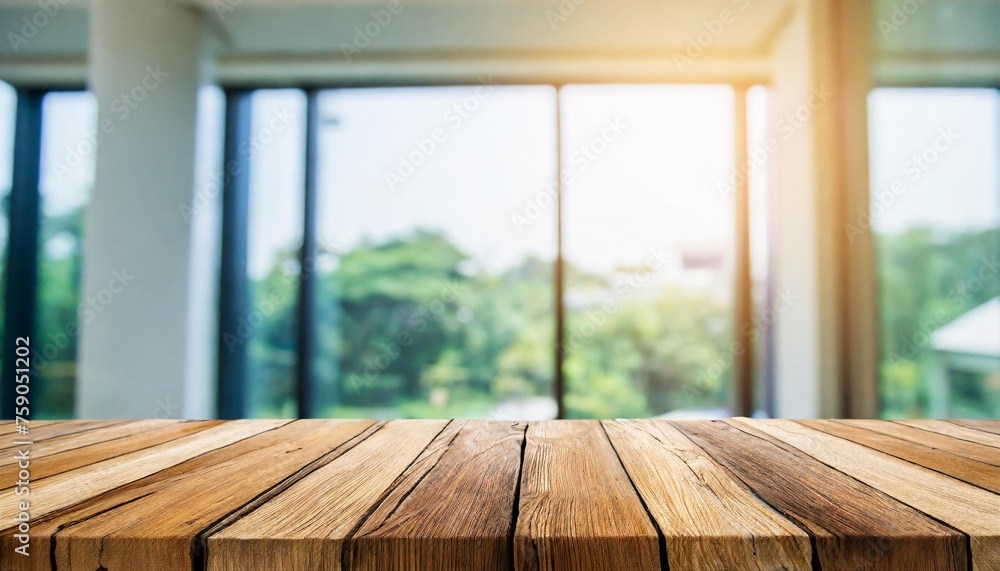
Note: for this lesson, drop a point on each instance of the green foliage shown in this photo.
(414, 328)
(56, 336)
(271, 349)
(927, 279)
(649, 356)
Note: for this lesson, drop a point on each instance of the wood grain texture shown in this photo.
(990, 426)
(39, 432)
(119, 521)
(74, 486)
(965, 507)
(305, 526)
(51, 446)
(945, 443)
(972, 471)
(125, 537)
(45, 465)
(854, 526)
(711, 521)
(9, 428)
(578, 509)
(453, 509)
(739, 494)
(953, 430)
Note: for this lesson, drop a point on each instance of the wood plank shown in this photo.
(982, 474)
(711, 521)
(171, 485)
(46, 465)
(118, 532)
(991, 426)
(8, 427)
(965, 507)
(953, 430)
(740, 494)
(578, 509)
(305, 526)
(453, 509)
(943, 459)
(854, 526)
(66, 489)
(56, 429)
(53, 445)
(972, 450)
(48, 447)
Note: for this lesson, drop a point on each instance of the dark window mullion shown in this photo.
(560, 286)
(305, 381)
(234, 297)
(22, 245)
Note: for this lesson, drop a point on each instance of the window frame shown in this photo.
(20, 297)
(233, 291)
(870, 277)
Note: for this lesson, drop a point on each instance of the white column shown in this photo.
(139, 350)
(800, 332)
(826, 340)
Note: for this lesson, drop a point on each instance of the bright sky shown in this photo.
(644, 161)
(654, 156)
(961, 189)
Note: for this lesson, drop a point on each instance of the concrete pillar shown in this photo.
(141, 336)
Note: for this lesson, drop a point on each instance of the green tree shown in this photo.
(927, 278)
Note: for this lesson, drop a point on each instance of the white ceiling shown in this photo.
(314, 26)
(285, 33)
(506, 25)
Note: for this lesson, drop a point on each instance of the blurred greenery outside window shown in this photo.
(935, 215)
(435, 264)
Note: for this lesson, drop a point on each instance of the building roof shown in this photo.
(977, 332)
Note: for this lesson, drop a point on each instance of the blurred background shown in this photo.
(501, 208)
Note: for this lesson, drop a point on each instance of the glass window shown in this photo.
(436, 228)
(8, 109)
(935, 215)
(648, 249)
(69, 120)
(759, 131)
(436, 239)
(276, 154)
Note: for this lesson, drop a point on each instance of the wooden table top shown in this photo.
(435, 494)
